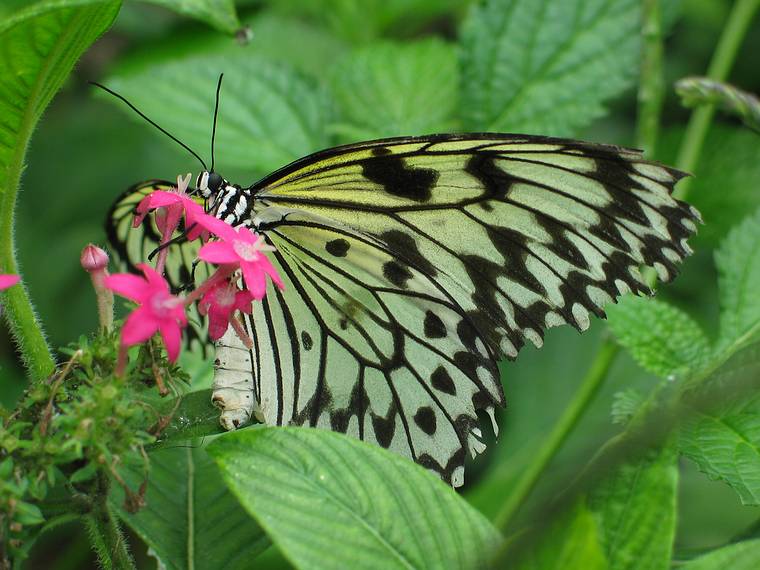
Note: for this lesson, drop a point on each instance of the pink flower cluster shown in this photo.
(8, 281)
(237, 252)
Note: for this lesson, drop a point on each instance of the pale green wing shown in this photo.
(405, 257)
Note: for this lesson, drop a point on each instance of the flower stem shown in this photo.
(652, 84)
(728, 45)
(18, 310)
(562, 429)
(105, 534)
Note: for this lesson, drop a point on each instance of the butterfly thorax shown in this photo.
(228, 202)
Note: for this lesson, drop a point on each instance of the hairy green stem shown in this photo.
(105, 534)
(652, 83)
(17, 306)
(725, 53)
(583, 396)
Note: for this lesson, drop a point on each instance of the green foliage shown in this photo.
(328, 501)
(740, 556)
(392, 89)
(190, 520)
(283, 119)
(330, 71)
(38, 48)
(635, 506)
(218, 13)
(546, 67)
(662, 338)
(72, 432)
(571, 541)
(738, 262)
(363, 21)
(724, 439)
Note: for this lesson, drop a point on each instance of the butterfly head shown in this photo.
(209, 183)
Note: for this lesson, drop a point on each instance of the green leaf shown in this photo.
(740, 556)
(546, 67)
(217, 13)
(38, 49)
(570, 541)
(190, 519)
(387, 89)
(738, 262)
(636, 510)
(328, 501)
(729, 161)
(661, 338)
(269, 114)
(721, 433)
(361, 21)
(192, 416)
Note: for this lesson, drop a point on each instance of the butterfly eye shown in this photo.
(214, 181)
(203, 183)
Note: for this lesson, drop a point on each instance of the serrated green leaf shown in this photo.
(636, 511)
(190, 519)
(392, 89)
(721, 432)
(220, 14)
(740, 556)
(738, 262)
(570, 541)
(269, 114)
(546, 67)
(328, 501)
(661, 338)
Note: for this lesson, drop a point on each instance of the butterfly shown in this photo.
(412, 265)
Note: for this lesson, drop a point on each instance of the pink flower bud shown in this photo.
(95, 261)
(93, 258)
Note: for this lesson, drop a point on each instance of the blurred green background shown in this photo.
(86, 151)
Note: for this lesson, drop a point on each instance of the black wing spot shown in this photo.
(396, 273)
(425, 420)
(434, 327)
(384, 427)
(496, 182)
(380, 151)
(338, 247)
(398, 179)
(403, 245)
(306, 340)
(441, 381)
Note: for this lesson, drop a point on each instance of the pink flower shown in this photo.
(220, 303)
(242, 247)
(8, 281)
(159, 310)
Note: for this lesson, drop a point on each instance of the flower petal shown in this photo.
(255, 279)
(139, 327)
(217, 227)
(156, 282)
(129, 286)
(218, 252)
(172, 338)
(8, 281)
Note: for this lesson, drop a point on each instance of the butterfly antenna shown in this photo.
(216, 112)
(152, 122)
